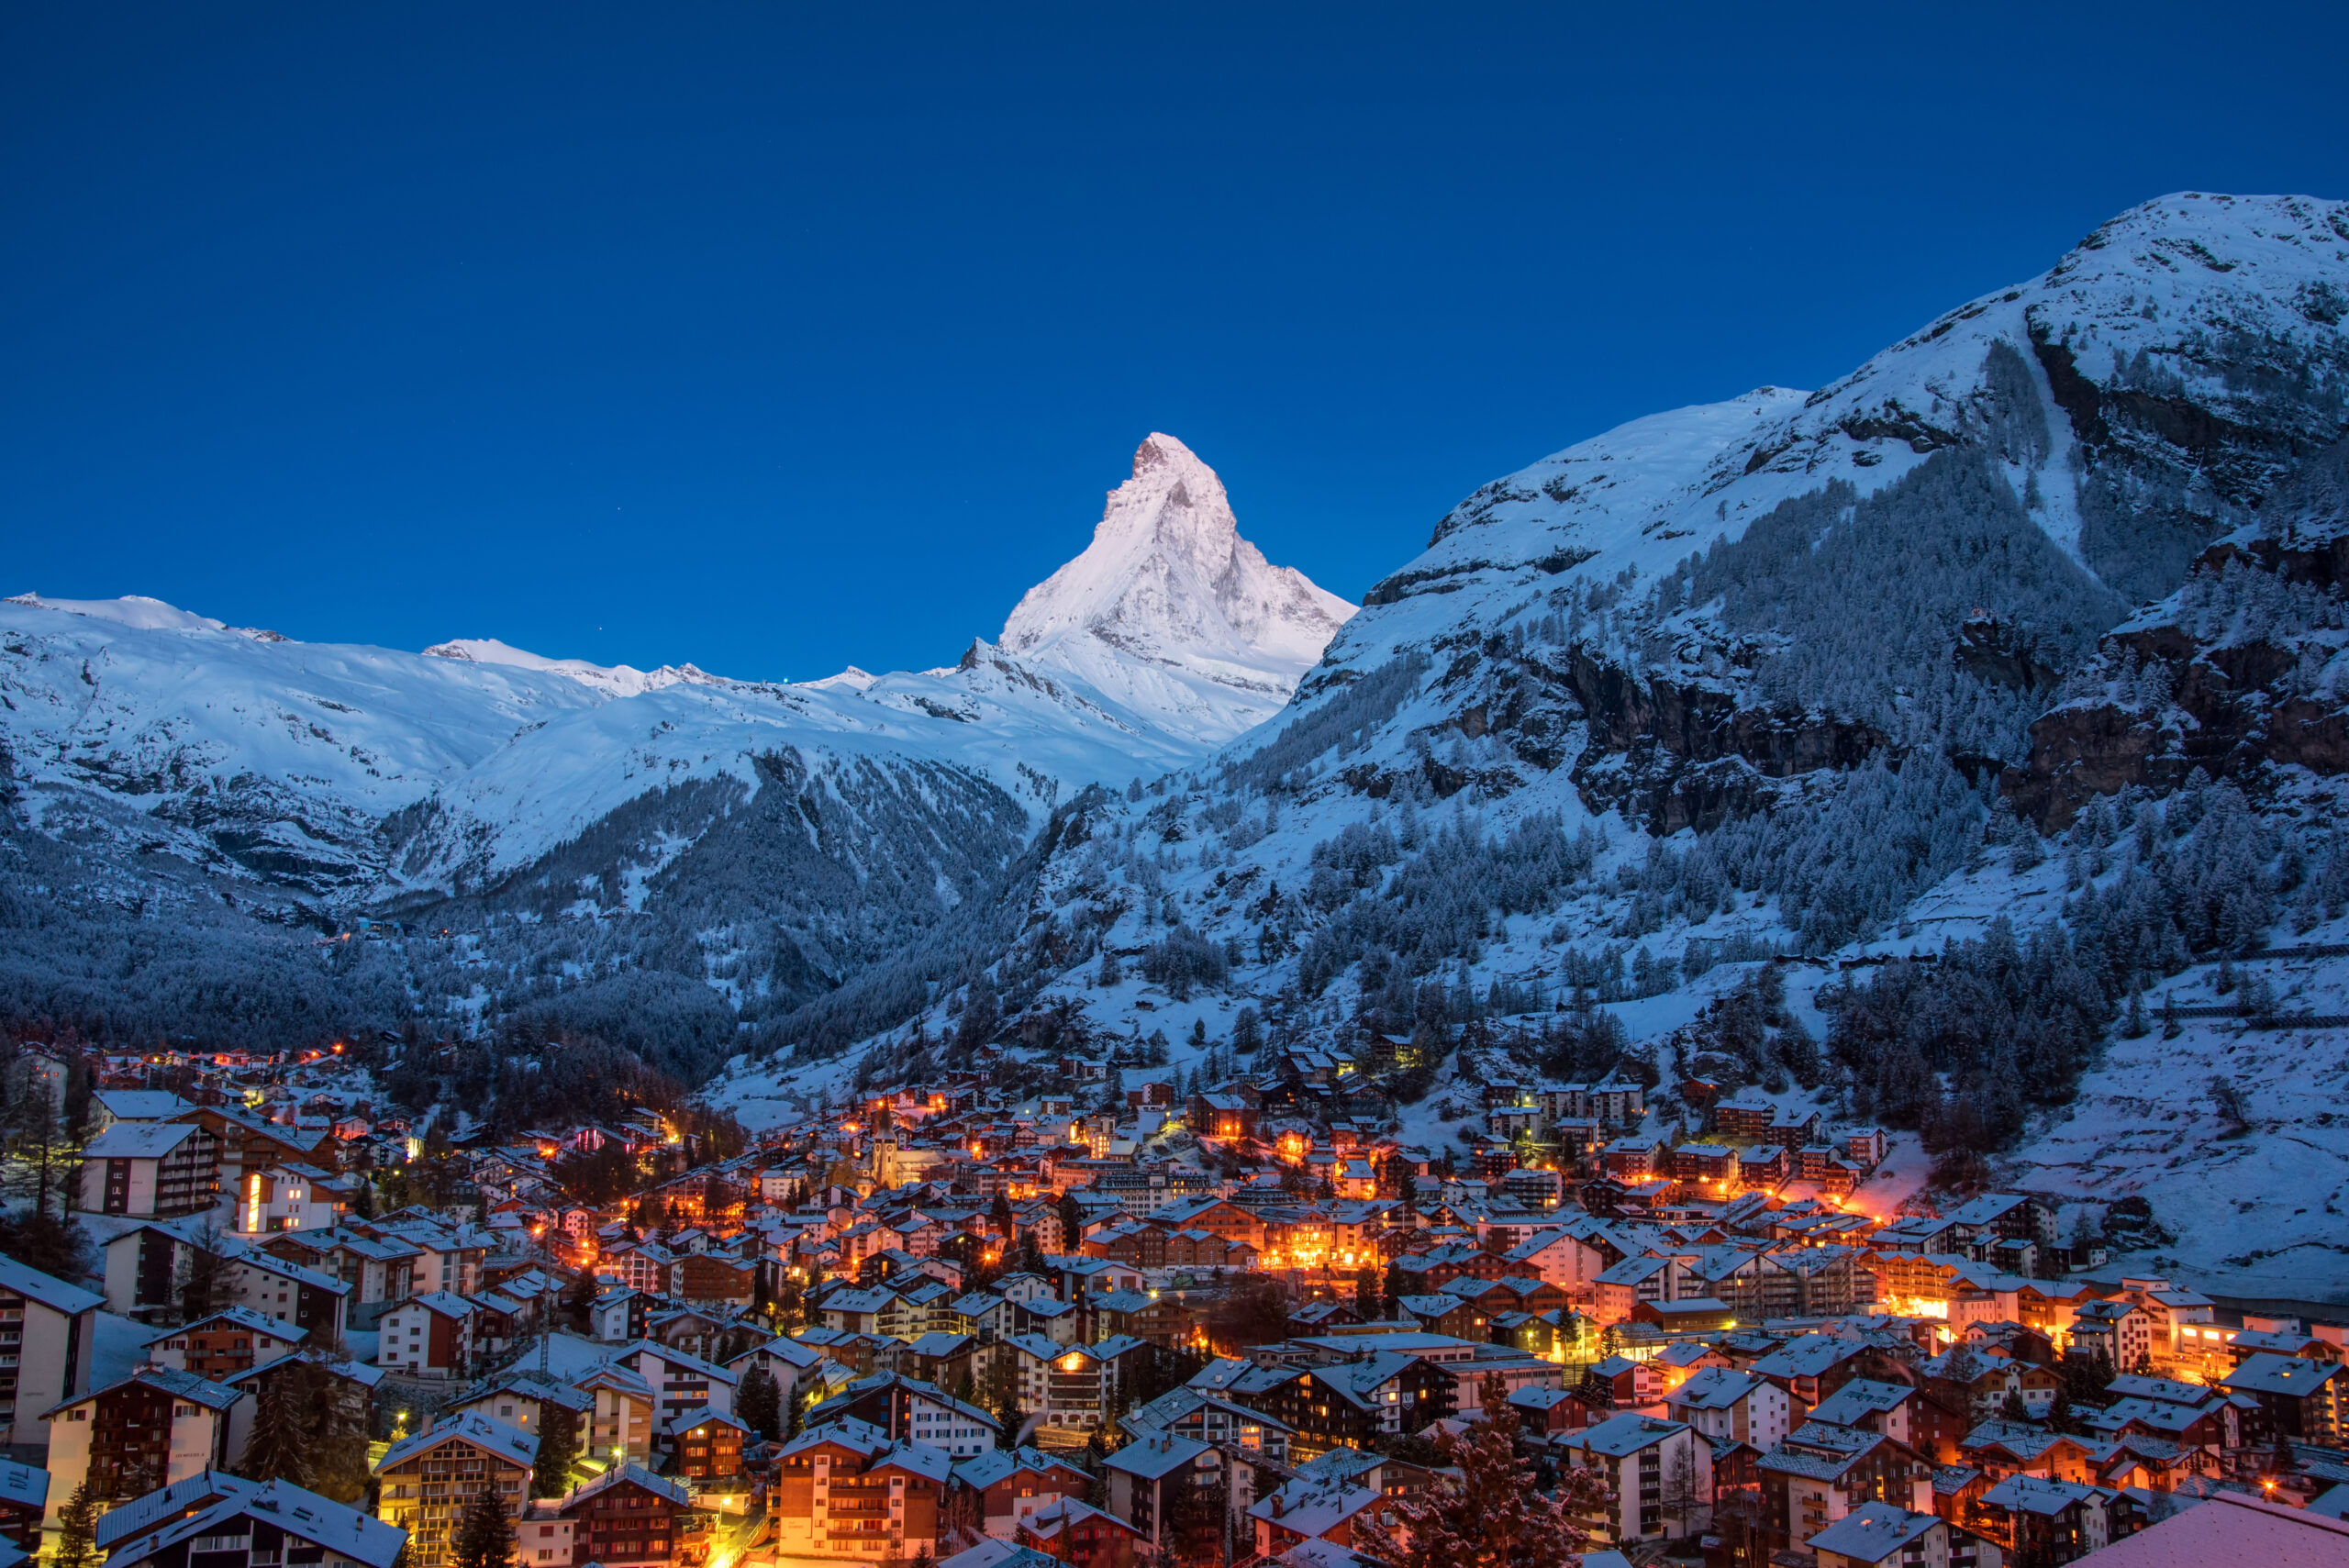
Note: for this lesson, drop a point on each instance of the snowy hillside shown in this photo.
(1767, 677)
(765, 840)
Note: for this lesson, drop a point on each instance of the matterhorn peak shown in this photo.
(1171, 613)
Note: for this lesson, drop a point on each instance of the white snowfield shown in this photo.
(1185, 639)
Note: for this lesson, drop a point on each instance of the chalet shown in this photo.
(1385, 1393)
(1145, 1477)
(48, 1345)
(1312, 1510)
(844, 1490)
(347, 1387)
(520, 1398)
(1820, 1472)
(152, 1427)
(2045, 1522)
(709, 1445)
(1766, 1166)
(624, 1414)
(682, 1381)
(1011, 1484)
(430, 1479)
(2120, 1332)
(291, 1198)
(229, 1342)
(1071, 1531)
(1726, 1406)
(906, 1409)
(713, 1277)
(1810, 1368)
(626, 1516)
(1209, 1417)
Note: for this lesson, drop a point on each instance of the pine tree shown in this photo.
(484, 1536)
(283, 1429)
(2013, 1408)
(557, 1450)
(759, 1402)
(1002, 1385)
(1491, 1514)
(77, 1524)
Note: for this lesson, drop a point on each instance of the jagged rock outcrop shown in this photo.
(2241, 672)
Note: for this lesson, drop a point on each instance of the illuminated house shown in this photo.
(430, 1479)
(709, 1445)
(626, 1516)
(844, 1490)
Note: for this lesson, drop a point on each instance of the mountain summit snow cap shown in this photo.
(1170, 612)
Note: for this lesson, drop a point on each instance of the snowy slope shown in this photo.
(615, 679)
(1170, 612)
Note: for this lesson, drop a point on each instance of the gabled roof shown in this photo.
(239, 1318)
(930, 1462)
(1153, 1457)
(1873, 1532)
(676, 1358)
(47, 1289)
(630, 1472)
(169, 1380)
(509, 1443)
(2032, 1494)
(190, 1494)
(992, 1553)
(361, 1373)
(1624, 1434)
(862, 1438)
(1858, 1399)
(2267, 1372)
(343, 1531)
(1716, 1388)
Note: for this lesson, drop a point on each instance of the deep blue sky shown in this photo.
(774, 341)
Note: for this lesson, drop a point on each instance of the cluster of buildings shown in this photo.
(1208, 1324)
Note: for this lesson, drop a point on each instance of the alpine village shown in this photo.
(944, 1323)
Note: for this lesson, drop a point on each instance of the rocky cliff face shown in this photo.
(2240, 674)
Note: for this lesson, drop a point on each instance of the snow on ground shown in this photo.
(118, 1348)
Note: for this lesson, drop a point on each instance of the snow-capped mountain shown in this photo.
(1170, 612)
